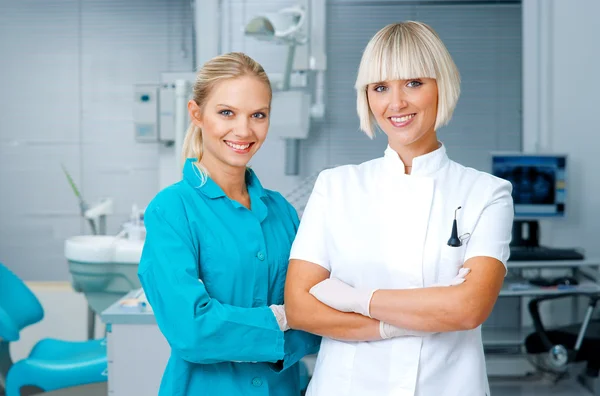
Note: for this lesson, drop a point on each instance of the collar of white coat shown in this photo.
(423, 165)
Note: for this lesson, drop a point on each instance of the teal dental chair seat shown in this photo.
(52, 364)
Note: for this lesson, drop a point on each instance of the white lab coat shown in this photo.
(372, 226)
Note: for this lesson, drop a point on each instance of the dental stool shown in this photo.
(553, 351)
(52, 364)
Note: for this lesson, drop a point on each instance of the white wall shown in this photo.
(67, 70)
(561, 57)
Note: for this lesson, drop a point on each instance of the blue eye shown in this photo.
(226, 113)
(414, 84)
(379, 88)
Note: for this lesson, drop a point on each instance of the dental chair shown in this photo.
(52, 364)
(554, 351)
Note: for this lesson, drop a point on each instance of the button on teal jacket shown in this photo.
(210, 268)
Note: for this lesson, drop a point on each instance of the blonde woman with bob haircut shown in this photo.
(217, 246)
(379, 267)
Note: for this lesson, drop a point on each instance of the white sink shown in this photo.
(91, 248)
(103, 249)
(103, 267)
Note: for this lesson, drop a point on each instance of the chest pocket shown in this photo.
(224, 268)
(451, 260)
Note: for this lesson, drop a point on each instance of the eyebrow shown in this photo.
(235, 108)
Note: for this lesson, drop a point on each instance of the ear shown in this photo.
(195, 113)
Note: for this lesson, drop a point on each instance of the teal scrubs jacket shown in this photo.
(210, 268)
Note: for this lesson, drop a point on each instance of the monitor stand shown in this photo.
(525, 234)
(525, 245)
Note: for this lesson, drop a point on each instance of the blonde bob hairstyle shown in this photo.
(223, 67)
(403, 51)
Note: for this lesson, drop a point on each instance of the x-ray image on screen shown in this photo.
(538, 182)
(531, 184)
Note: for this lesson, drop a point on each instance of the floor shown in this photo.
(525, 387)
(499, 387)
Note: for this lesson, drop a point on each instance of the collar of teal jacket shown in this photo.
(192, 175)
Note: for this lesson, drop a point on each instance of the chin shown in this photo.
(403, 140)
(236, 162)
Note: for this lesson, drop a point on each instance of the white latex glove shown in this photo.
(279, 312)
(457, 280)
(343, 297)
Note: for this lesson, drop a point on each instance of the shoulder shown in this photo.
(349, 174)
(275, 198)
(172, 201)
(276, 201)
(483, 183)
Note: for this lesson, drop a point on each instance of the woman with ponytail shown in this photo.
(217, 247)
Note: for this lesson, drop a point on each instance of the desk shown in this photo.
(137, 351)
(514, 337)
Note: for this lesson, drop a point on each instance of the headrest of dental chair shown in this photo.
(19, 307)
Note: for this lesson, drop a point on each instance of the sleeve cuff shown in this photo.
(297, 345)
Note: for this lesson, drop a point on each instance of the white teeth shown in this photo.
(238, 146)
(403, 118)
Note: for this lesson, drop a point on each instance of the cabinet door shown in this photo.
(137, 355)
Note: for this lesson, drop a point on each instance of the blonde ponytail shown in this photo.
(192, 144)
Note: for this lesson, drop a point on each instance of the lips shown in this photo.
(239, 147)
(403, 120)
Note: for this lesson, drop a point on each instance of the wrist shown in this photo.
(371, 307)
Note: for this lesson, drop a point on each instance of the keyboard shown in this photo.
(544, 254)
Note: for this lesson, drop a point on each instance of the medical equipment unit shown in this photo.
(160, 109)
(539, 192)
(51, 364)
(104, 267)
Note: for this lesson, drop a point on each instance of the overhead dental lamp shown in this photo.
(283, 27)
(292, 109)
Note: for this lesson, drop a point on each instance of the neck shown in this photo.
(407, 153)
(232, 180)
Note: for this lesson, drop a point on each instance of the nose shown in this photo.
(242, 129)
(398, 99)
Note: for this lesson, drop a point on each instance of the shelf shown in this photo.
(504, 337)
(524, 289)
(553, 264)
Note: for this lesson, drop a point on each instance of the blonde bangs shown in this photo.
(395, 55)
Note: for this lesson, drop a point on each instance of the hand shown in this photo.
(279, 312)
(386, 331)
(457, 280)
(345, 298)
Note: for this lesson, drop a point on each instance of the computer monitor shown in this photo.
(539, 190)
